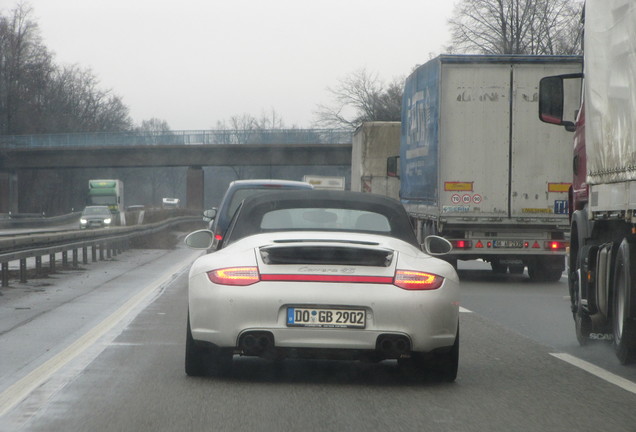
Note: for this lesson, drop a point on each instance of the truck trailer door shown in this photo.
(540, 174)
(475, 136)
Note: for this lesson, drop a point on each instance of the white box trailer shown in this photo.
(373, 143)
(479, 168)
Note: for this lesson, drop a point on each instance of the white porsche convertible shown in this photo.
(322, 274)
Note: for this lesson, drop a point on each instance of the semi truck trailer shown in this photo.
(602, 255)
(478, 168)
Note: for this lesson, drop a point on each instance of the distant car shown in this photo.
(96, 217)
(219, 219)
(322, 274)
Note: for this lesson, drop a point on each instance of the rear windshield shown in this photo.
(324, 218)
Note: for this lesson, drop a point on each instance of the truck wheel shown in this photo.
(516, 269)
(624, 328)
(582, 327)
(544, 270)
(498, 267)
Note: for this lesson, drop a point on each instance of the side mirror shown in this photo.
(209, 215)
(393, 166)
(201, 239)
(552, 100)
(436, 245)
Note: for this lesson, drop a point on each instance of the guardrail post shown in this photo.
(38, 265)
(52, 263)
(5, 274)
(84, 255)
(64, 258)
(109, 252)
(75, 260)
(94, 253)
(101, 251)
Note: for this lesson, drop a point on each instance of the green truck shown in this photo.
(108, 192)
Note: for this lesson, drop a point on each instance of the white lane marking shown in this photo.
(623, 383)
(464, 310)
(13, 395)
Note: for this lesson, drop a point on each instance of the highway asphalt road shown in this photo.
(102, 350)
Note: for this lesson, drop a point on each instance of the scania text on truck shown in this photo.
(602, 257)
(108, 192)
(478, 168)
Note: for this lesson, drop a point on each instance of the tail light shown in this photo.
(414, 280)
(556, 245)
(462, 244)
(240, 276)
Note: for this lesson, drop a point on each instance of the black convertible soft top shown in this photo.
(247, 220)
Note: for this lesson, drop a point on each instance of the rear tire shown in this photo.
(447, 364)
(194, 356)
(442, 366)
(624, 328)
(201, 360)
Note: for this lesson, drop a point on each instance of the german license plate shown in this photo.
(508, 243)
(331, 318)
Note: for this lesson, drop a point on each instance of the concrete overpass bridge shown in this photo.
(192, 149)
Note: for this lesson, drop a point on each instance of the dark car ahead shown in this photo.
(96, 217)
(237, 191)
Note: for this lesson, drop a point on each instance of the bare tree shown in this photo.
(77, 104)
(246, 128)
(541, 27)
(361, 96)
(25, 67)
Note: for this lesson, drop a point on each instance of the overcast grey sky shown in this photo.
(195, 62)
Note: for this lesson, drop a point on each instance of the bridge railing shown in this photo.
(185, 137)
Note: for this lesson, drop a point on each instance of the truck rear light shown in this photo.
(556, 245)
(462, 244)
(414, 280)
(239, 276)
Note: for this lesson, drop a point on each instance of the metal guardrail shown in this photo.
(31, 219)
(104, 243)
(185, 137)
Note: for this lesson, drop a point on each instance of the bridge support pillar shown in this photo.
(194, 188)
(8, 192)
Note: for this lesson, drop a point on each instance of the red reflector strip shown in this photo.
(327, 278)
